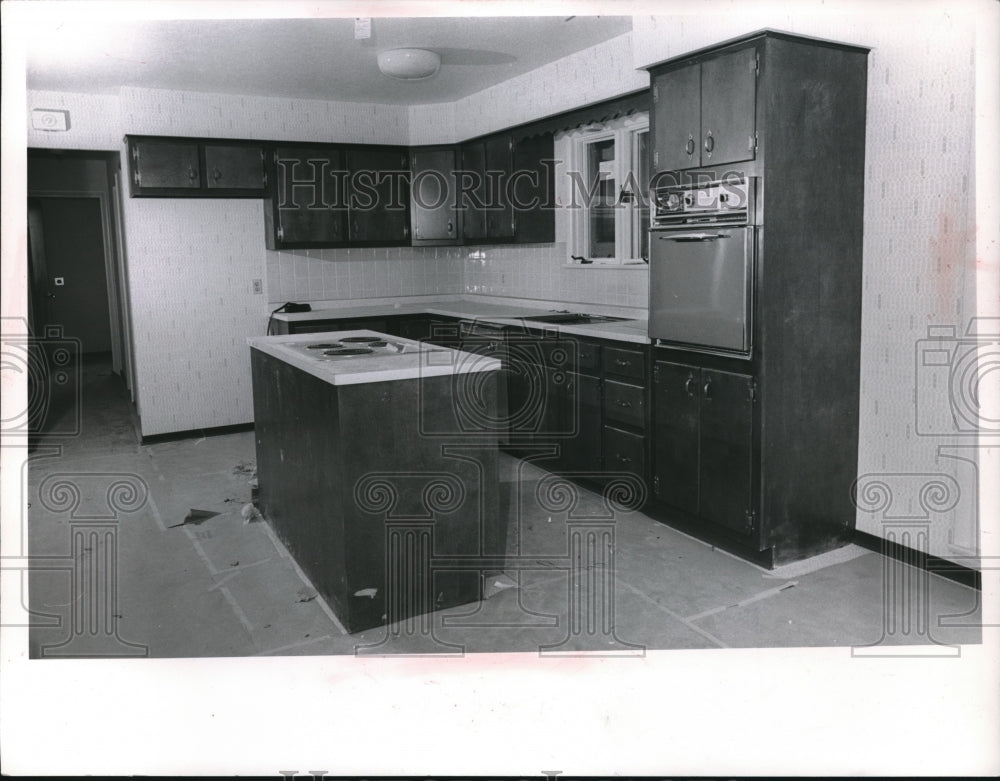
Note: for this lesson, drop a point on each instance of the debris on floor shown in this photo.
(195, 517)
(245, 468)
(250, 513)
(500, 583)
(366, 592)
(305, 595)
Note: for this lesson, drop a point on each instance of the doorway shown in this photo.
(67, 266)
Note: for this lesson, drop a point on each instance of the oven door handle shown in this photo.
(692, 236)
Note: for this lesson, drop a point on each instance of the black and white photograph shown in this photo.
(488, 388)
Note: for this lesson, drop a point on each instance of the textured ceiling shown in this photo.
(302, 58)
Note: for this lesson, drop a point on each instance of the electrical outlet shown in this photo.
(258, 287)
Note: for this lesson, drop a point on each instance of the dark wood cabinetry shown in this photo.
(703, 112)
(306, 207)
(433, 197)
(329, 196)
(760, 452)
(194, 168)
(532, 189)
(624, 408)
(703, 443)
(378, 196)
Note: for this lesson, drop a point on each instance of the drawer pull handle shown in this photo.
(620, 362)
(621, 403)
(623, 459)
(689, 386)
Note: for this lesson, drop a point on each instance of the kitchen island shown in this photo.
(378, 469)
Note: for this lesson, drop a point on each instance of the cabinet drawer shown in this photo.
(624, 451)
(625, 403)
(625, 363)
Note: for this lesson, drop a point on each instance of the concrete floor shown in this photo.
(117, 572)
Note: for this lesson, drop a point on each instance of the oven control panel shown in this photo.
(725, 201)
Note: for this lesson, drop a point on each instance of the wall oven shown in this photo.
(701, 266)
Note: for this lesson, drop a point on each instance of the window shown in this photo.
(609, 181)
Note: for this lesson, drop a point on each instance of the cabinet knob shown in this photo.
(216, 174)
(707, 390)
(709, 142)
(192, 174)
(689, 147)
(451, 227)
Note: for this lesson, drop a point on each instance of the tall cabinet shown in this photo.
(760, 453)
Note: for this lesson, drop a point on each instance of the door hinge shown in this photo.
(656, 485)
(656, 157)
(656, 92)
(281, 233)
(752, 390)
(756, 63)
(751, 519)
(656, 373)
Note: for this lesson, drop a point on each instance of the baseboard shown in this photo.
(173, 436)
(946, 569)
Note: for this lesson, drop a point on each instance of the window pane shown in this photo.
(600, 174)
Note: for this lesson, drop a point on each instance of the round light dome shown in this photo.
(410, 64)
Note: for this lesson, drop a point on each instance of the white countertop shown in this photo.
(420, 360)
(634, 331)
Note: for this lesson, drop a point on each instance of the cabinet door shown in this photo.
(307, 205)
(676, 118)
(474, 192)
(234, 167)
(533, 190)
(624, 451)
(728, 99)
(726, 448)
(378, 195)
(499, 165)
(583, 449)
(433, 212)
(160, 164)
(676, 389)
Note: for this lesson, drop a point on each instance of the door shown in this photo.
(676, 118)
(499, 165)
(676, 435)
(70, 285)
(700, 283)
(474, 191)
(728, 99)
(378, 195)
(533, 189)
(582, 451)
(433, 210)
(160, 164)
(725, 467)
(308, 200)
(234, 167)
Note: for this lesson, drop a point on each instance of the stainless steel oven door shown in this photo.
(701, 287)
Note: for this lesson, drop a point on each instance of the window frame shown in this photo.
(628, 226)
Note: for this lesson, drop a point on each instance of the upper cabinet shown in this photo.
(306, 205)
(532, 189)
(378, 195)
(703, 112)
(195, 168)
(331, 196)
(506, 189)
(433, 189)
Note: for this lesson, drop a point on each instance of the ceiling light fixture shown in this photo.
(409, 64)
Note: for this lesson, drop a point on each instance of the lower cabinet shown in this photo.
(703, 459)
